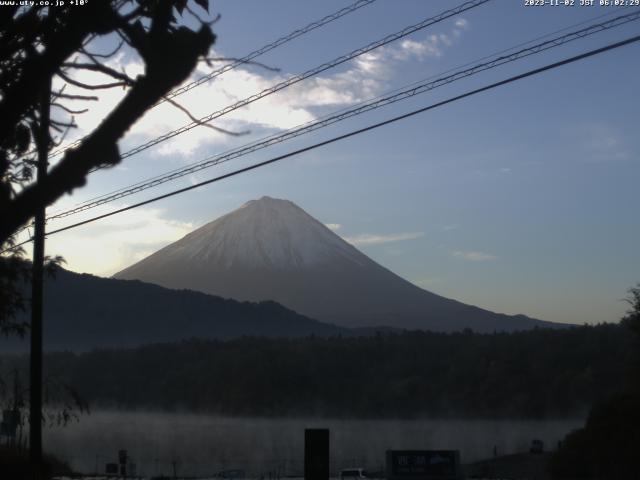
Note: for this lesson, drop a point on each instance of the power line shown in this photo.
(491, 86)
(309, 73)
(396, 96)
(246, 59)
(206, 161)
(297, 78)
(287, 38)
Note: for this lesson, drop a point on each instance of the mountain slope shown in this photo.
(84, 312)
(270, 249)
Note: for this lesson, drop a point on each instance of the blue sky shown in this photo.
(519, 200)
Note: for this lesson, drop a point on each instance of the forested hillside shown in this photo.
(534, 374)
(84, 312)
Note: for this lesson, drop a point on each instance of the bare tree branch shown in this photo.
(59, 141)
(68, 110)
(71, 124)
(61, 43)
(76, 97)
(203, 124)
(97, 67)
(103, 86)
(170, 53)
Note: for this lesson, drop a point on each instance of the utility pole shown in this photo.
(35, 395)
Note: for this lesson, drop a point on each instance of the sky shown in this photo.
(522, 199)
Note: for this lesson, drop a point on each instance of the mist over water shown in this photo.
(203, 444)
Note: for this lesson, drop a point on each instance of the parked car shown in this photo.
(352, 474)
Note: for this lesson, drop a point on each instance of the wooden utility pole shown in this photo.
(35, 393)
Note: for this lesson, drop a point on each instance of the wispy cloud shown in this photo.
(604, 143)
(377, 239)
(333, 226)
(460, 25)
(365, 77)
(430, 47)
(473, 256)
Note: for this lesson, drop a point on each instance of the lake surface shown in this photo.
(203, 445)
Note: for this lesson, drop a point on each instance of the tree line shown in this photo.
(532, 374)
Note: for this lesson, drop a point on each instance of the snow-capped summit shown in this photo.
(264, 233)
(271, 249)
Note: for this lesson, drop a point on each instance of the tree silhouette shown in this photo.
(632, 321)
(632, 318)
(41, 44)
(607, 446)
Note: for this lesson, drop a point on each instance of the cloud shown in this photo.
(473, 256)
(371, 62)
(377, 239)
(281, 111)
(333, 226)
(429, 47)
(603, 143)
(107, 246)
(460, 25)
(365, 77)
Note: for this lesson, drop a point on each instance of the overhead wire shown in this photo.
(413, 89)
(246, 59)
(297, 78)
(359, 131)
(307, 74)
(256, 53)
(500, 52)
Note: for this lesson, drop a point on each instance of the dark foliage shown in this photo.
(84, 312)
(40, 43)
(607, 447)
(14, 272)
(15, 465)
(632, 321)
(37, 45)
(535, 374)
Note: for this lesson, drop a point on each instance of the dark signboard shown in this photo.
(423, 464)
(316, 454)
(111, 469)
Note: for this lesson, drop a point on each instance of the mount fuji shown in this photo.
(271, 249)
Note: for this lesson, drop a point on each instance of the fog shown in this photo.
(203, 445)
